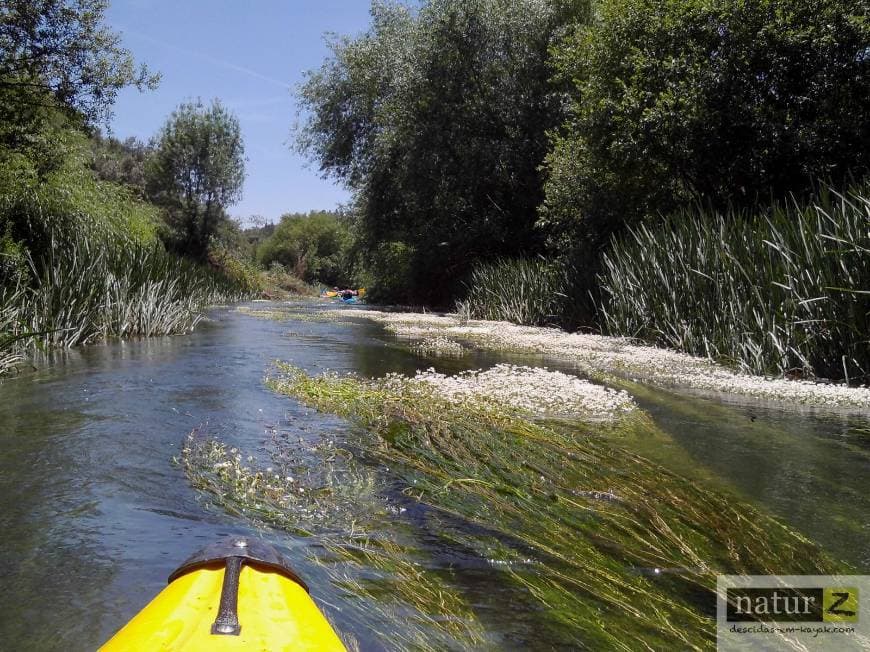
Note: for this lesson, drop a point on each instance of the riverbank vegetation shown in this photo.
(571, 521)
(534, 291)
(475, 133)
(313, 247)
(89, 245)
(782, 292)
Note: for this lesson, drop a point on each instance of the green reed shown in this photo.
(532, 292)
(787, 291)
(9, 354)
(613, 550)
(83, 288)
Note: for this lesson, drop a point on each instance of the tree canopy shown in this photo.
(59, 54)
(727, 102)
(437, 119)
(197, 171)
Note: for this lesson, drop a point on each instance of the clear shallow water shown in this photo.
(95, 516)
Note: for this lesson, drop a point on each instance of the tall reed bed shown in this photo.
(80, 260)
(9, 353)
(532, 292)
(783, 292)
(84, 288)
(612, 550)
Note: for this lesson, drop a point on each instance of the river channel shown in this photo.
(95, 514)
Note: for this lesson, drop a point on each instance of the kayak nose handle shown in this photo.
(227, 621)
(234, 553)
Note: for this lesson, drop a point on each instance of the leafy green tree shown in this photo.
(197, 171)
(732, 102)
(314, 246)
(122, 162)
(58, 54)
(437, 120)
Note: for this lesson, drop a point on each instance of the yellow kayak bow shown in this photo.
(240, 594)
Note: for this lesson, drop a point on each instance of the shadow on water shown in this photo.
(809, 468)
(95, 515)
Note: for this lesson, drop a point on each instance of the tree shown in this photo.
(437, 120)
(122, 162)
(315, 247)
(58, 54)
(729, 102)
(197, 171)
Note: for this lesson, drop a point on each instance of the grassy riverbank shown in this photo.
(81, 261)
(782, 290)
(81, 292)
(565, 511)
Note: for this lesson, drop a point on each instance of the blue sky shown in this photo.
(250, 55)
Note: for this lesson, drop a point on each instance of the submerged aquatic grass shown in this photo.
(316, 491)
(292, 311)
(584, 525)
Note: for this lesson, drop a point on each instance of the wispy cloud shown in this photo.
(258, 102)
(229, 65)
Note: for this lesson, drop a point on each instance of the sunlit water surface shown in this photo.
(95, 515)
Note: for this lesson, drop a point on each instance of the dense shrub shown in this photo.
(68, 197)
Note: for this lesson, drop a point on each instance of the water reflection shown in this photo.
(799, 464)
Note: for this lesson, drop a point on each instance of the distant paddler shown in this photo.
(347, 295)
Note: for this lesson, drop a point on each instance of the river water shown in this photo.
(94, 514)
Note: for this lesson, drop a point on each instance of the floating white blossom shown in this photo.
(599, 353)
(440, 345)
(532, 389)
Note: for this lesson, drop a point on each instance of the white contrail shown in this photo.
(211, 59)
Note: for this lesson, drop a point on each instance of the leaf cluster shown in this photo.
(58, 54)
(734, 102)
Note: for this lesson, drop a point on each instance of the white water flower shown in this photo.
(599, 353)
(532, 389)
(439, 345)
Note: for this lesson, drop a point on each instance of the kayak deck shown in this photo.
(275, 613)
